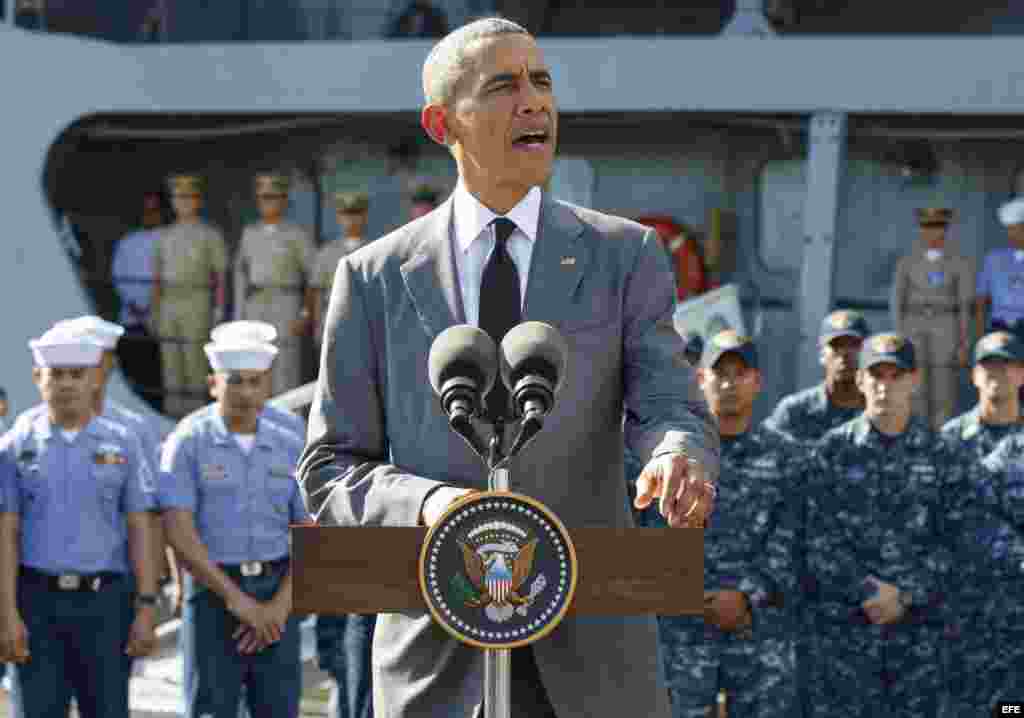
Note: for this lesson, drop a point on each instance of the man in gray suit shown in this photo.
(380, 452)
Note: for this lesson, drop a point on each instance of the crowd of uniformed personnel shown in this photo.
(174, 280)
(859, 562)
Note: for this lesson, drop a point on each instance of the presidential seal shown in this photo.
(498, 570)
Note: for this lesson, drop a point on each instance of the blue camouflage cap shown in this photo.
(887, 348)
(999, 345)
(693, 344)
(843, 323)
(726, 341)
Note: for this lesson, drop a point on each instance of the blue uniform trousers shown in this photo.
(77, 641)
(272, 677)
(868, 671)
(344, 644)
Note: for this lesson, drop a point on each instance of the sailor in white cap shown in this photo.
(230, 495)
(1000, 288)
(256, 331)
(107, 334)
(80, 597)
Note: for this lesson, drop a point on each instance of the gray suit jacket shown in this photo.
(379, 442)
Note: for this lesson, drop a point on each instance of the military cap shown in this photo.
(887, 348)
(726, 341)
(105, 333)
(351, 202)
(1012, 212)
(843, 323)
(999, 345)
(60, 347)
(934, 216)
(426, 193)
(693, 345)
(185, 184)
(272, 184)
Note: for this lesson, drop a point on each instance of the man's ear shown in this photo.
(434, 119)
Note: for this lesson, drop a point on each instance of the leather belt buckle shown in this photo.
(251, 568)
(69, 582)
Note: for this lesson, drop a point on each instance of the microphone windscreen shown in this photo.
(533, 347)
(464, 351)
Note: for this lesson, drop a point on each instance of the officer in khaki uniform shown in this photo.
(932, 295)
(274, 262)
(352, 209)
(190, 262)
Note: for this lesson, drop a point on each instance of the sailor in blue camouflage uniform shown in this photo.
(741, 653)
(992, 634)
(972, 674)
(230, 497)
(986, 621)
(875, 548)
(808, 414)
(998, 375)
(77, 579)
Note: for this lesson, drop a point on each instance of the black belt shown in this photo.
(249, 569)
(932, 310)
(91, 582)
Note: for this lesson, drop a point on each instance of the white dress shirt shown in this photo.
(474, 242)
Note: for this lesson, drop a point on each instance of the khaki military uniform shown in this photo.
(186, 259)
(930, 301)
(274, 262)
(327, 259)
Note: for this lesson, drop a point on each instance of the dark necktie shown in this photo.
(499, 304)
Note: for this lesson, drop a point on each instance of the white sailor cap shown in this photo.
(237, 355)
(244, 330)
(105, 333)
(1012, 212)
(63, 348)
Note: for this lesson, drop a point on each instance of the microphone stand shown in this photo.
(497, 661)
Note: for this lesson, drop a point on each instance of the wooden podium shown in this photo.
(339, 570)
(595, 571)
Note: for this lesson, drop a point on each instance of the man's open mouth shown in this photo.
(532, 138)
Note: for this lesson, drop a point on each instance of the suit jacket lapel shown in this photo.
(558, 260)
(430, 276)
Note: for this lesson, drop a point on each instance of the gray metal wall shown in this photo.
(73, 78)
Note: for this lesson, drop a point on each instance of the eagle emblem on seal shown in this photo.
(498, 560)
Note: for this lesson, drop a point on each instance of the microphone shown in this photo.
(533, 362)
(462, 365)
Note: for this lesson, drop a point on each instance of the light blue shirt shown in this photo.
(73, 496)
(136, 424)
(287, 419)
(132, 272)
(243, 503)
(282, 417)
(1002, 278)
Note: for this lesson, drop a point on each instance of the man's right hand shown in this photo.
(13, 639)
(729, 610)
(257, 615)
(438, 502)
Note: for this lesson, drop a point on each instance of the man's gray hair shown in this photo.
(448, 60)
